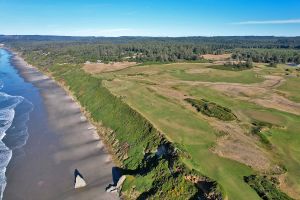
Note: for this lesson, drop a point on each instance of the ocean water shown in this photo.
(14, 114)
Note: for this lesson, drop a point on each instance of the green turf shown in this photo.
(291, 86)
(186, 127)
(192, 132)
(246, 76)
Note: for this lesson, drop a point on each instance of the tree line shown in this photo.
(268, 55)
(156, 49)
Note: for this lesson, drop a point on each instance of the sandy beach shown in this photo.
(60, 141)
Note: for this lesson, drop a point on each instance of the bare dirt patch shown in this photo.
(271, 82)
(236, 145)
(95, 68)
(280, 103)
(287, 188)
(217, 57)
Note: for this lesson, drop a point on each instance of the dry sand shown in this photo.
(61, 140)
(216, 57)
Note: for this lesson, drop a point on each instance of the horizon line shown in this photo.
(95, 36)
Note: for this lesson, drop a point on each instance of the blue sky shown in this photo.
(150, 17)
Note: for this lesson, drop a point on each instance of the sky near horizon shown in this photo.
(150, 18)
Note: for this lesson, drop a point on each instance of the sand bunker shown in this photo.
(216, 57)
(95, 68)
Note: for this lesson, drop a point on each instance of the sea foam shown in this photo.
(14, 110)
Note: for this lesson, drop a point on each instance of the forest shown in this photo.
(158, 49)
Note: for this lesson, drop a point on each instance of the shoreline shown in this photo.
(101, 130)
(69, 142)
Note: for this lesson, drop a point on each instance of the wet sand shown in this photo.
(60, 141)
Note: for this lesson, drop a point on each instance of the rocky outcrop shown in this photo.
(118, 187)
(79, 182)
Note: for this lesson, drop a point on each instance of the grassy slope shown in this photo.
(185, 127)
(291, 86)
(188, 129)
(289, 154)
(133, 136)
(196, 135)
(246, 76)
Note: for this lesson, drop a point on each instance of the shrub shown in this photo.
(266, 189)
(212, 109)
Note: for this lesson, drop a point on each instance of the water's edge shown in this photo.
(14, 114)
(51, 154)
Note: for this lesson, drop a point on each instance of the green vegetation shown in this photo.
(268, 55)
(291, 88)
(272, 64)
(257, 128)
(134, 139)
(157, 49)
(245, 76)
(266, 189)
(106, 108)
(233, 66)
(212, 109)
(145, 107)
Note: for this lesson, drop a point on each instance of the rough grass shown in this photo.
(133, 138)
(191, 131)
(246, 76)
(130, 127)
(291, 87)
(287, 155)
(237, 67)
(257, 129)
(185, 127)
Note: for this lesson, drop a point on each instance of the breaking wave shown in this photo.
(14, 113)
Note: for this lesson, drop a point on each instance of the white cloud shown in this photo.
(284, 21)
